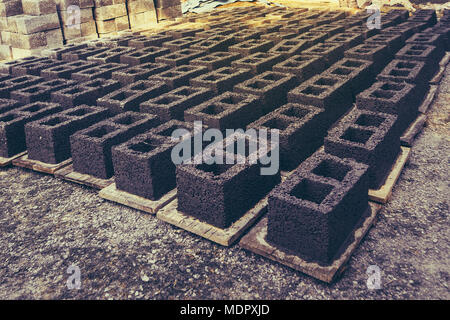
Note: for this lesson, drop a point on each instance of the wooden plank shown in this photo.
(255, 242)
(25, 162)
(111, 193)
(67, 173)
(225, 237)
(414, 129)
(383, 194)
(4, 162)
(442, 64)
(423, 108)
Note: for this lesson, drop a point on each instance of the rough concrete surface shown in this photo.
(47, 224)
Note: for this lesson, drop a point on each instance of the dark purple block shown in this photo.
(56, 53)
(312, 38)
(172, 104)
(414, 72)
(48, 138)
(34, 68)
(41, 91)
(330, 52)
(301, 131)
(302, 66)
(213, 44)
(314, 212)
(179, 76)
(216, 60)
(363, 30)
(12, 131)
(347, 39)
(140, 72)
(258, 62)
(82, 53)
(8, 105)
(6, 67)
(130, 97)
(142, 56)
(154, 40)
(278, 36)
(229, 110)
(91, 147)
(16, 83)
(220, 194)
(394, 41)
(377, 53)
(290, 47)
(182, 33)
(65, 71)
(401, 99)
(221, 80)
(246, 34)
(180, 57)
(101, 71)
(271, 87)
(368, 137)
(329, 29)
(251, 46)
(180, 44)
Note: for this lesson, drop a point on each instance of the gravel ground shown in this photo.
(46, 225)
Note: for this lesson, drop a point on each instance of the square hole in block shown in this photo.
(369, 120)
(399, 73)
(405, 65)
(314, 91)
(144, 146)
(257, 84)
(34, 108)
(382, 94)
(213, 109)
(326, 82)
(55, 121)
(331, 169)
(101, 131)
(342, 71)
(352, 64)
(295, 112)
(312, 191)
(167, 100)
(8, 118)
(357, 135)
(392, 86)
(277, 123)
(79, 112)
(127, 119)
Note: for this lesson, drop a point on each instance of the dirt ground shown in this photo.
(47, 225)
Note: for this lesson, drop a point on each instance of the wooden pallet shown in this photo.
(442, 65)
(4, 162)
(383, 194)
(414, 129)
(39, 166)
(225, 237)
(67, 173)
(423, 108)
(111, 193)
(255, 242)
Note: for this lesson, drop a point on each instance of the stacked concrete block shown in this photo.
(222, 79)
(313, 213)
(8, 9)
(12, 125)
(220, 193)
(168, 9)
(139, 72)
(37, 28)
(110, 17)
(368, 137)
(48, 139)
(302, 66)
(41, 91)
(77, 19)
(91, 147)
(10, 84)
(141, 13)
(430, 54)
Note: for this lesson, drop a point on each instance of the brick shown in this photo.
(110, 55)
(81, 53)
(56, 53)
(229, 110)
(171, 105)
(258, 62)
(375, 52)
(8, 105)
(393, 41)
(216, 60)
(35, 68)
(431, 55)
(130, 97)
(12, 126)
(11, 8)
(180, 44)
(251, 46)
(290, 47)
(143, 165)
(180, 75)
(213, 44)
(400, 99)
(100, 71)
(363, 30)
(414, 72)
(110, 12)
(367, 137)
(91, 147)
(169, 12)
(66, 70)
(213, 192)
(347, 39)
(148, 54)
(184, 33)
(332, 93)
(139, 72)
(16, 83)
(48, 139)
(142, 19)
(429, 38)
(180, 57)
(302, 66)
(41, 91)
(31, 24)
(301, 131)
(330, 52)
(221, 80)
(38, 7)
(85, 93)
(298, 219)
(271, 87)
(138, 6)
(6, 67)
(62, 4)
(153, 40)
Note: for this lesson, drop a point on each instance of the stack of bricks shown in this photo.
(168, 9)
(141, 13)
(111, 17)
(31, 26)
(77, 20)
(8, 9)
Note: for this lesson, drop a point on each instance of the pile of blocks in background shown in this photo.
(29, 26)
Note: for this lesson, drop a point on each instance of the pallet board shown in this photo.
(111, 193)
(39, 166)
(4, 162)
(383, 194)
(225, 237)
(67, 173)
(414, 129)
(255, 242)
(442, 64)
(423, 108)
